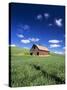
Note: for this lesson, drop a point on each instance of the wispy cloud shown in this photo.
(46, 15)
(26, 47)
(57, 52)
(26, 27)
(25, 41)
(13, 45)
(34, 39)
(58, 22)
(54, 45)
(55, 41)
(39, 17)
(23, 27)
(20, 35)
(50, 24)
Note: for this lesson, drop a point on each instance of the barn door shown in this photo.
(37, 53)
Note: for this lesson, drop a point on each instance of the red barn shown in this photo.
(39, 50)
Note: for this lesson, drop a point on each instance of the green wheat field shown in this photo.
(29, 70)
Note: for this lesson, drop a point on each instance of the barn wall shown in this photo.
(43, 52)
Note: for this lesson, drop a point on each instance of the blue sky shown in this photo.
(38, 24)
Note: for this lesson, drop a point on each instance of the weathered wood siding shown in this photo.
(43, 52)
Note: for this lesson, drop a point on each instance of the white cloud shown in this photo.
(54, 45)
(55, 41)
(39, 17)
(13, 45)
(20, 35)
(30, 40)
(58, 22)
(57, 52)
(46, 15)
(25, 41)
(34, 39)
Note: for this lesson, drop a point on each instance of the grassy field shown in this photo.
(29, 70)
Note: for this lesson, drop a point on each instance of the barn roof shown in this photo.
(42, 48)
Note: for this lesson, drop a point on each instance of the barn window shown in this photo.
(34, 47)
(37, 53)
(31, 53)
